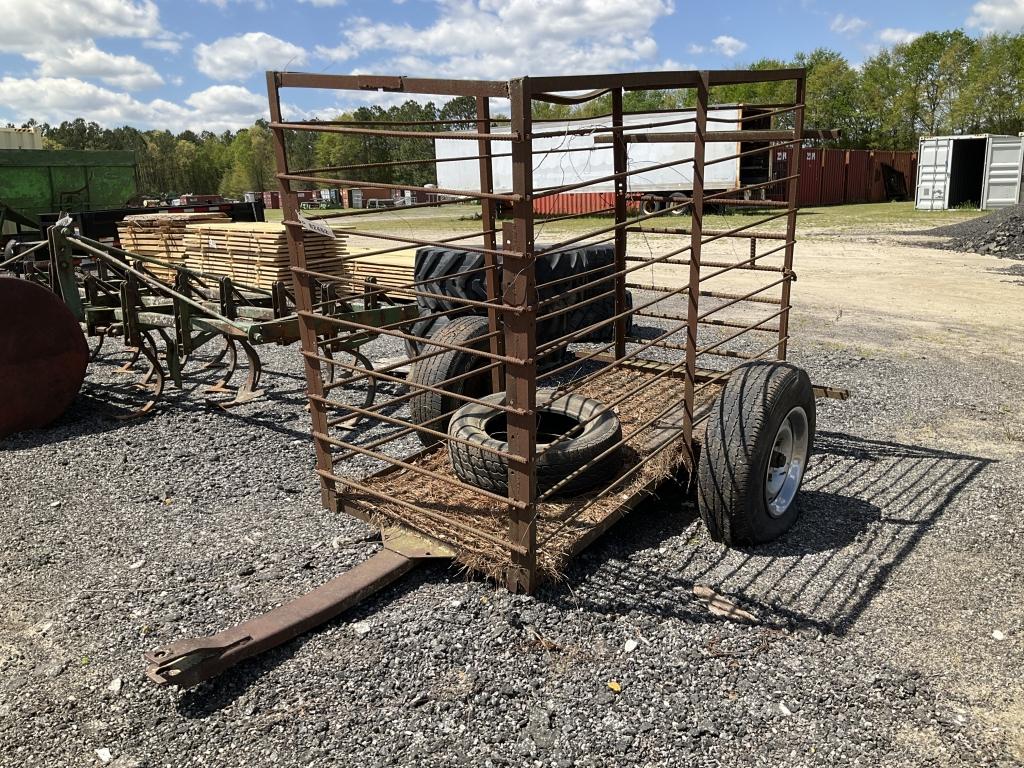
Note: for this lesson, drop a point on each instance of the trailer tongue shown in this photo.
(188, 662)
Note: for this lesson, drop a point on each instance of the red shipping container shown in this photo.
(903, 161)
(833, 176)
(809, 190)
(876, 191)
(858, 176)
(568, 203)
(809, 184)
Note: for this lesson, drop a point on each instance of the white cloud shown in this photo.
(236, 58)
(168, 44)
(337, 53)
(695, 50)
(33, 25)
(258, 4)
(84, 59)
(228, 100)
(508, 38)
(997, 16)
(218, 108)
(847, 25)
(728, 45)
(895, 35)
(324, 3)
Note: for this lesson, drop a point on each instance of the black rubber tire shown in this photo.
(424, 329)
(432, 408)
(677, 199)
(484, 425)
(445, 269)
(734, 457)
(600, 310)
(650, 204)
(442, 272)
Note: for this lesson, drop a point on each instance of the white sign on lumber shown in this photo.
(319, 227)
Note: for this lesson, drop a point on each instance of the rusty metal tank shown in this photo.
(43, 356)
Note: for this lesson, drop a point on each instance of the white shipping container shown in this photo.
(21, 138)
(551, 169)
(983, 170)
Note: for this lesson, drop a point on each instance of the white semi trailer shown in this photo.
(653, 189)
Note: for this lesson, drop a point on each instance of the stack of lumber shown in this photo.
(256, 253)
(161, 236)
(391, 270)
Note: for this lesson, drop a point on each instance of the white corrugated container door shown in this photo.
(585, 160)
(1001, 185)
(21, 138)
(934, 156)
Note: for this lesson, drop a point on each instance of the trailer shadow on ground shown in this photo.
(866, 505)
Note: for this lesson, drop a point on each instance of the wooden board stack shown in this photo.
(392, 270)
(161, 236)
(256, 253)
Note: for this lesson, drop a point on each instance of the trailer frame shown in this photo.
(414, 498)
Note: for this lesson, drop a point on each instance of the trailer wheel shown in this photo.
(679, 199)
(486, 426)
(434, 409)
(650, 204)
(755, 452)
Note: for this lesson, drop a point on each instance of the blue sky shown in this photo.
(199, 63)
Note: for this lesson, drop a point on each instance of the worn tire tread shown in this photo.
(730, 496)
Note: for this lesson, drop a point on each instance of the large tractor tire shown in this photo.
(449, 274)
(434, 409)
(43, 356)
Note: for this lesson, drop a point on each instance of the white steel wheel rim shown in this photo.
(786, 462)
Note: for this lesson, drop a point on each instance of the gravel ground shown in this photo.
(1000, 233)
(979, 225)
(890, 627)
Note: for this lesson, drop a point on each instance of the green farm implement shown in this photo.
(165, 323)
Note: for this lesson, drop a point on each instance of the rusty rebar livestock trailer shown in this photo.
(537, 427)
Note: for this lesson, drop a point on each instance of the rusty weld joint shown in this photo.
(789, 274)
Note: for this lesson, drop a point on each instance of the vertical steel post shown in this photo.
(519, 283)
(303, 299)
(488, 219)
(791, 198)
(696, 234)
(619, 160)
(62, 272)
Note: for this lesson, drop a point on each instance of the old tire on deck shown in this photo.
(486, 426)
(434, 409)
(755, 452)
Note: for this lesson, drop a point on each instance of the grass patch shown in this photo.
(867, 216)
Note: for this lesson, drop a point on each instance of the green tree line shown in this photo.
(234, 162)
(940, 83)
